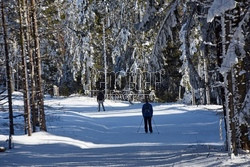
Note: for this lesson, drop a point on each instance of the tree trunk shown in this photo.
(244, 86)
(193, 96)
(227, 113)
(228, 120)
(23, 16)
(241, 88)
(34, 112)
(8, 72)
(207, 85)
(232, 110)
(38, 69)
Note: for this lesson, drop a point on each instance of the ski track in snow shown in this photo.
(78, 135)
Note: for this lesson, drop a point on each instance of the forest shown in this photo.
(190, 51)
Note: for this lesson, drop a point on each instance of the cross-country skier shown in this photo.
(147, 112)
(100, 100)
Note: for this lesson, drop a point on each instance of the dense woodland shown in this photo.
(192, 51)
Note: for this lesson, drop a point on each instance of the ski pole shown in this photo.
(139, 126)
(156, 126)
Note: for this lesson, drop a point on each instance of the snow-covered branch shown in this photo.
(164, 34)
(236, 49)
(219, 7)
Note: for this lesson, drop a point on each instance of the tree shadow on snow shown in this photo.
(65, 155)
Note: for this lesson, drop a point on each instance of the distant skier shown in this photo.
(147, 112)
(100, 100)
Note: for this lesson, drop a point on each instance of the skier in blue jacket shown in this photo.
(147, 112)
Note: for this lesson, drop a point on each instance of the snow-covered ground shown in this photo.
(78, 135)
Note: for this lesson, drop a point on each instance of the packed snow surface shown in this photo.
(78, 135)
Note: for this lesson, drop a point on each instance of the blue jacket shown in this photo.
(147, 110)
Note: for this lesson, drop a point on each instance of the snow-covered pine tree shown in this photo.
(163, 51)
(194, 80)
(234, 18)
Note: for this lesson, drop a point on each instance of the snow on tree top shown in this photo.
(218, 7)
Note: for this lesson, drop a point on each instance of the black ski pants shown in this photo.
(100, 102)
(148, 124)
